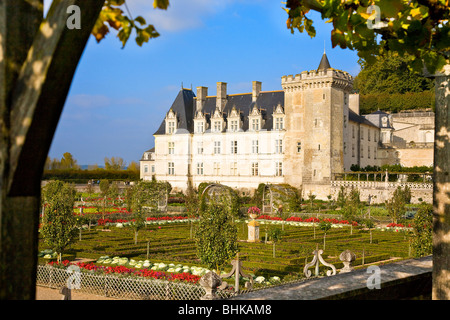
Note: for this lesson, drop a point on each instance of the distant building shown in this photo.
(301, 135)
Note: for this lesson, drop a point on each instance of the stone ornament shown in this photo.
(347, 257)
(315, 262)
(210, 282)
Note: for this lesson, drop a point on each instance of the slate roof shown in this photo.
(353, 116)
(324, 63)
(185, 105)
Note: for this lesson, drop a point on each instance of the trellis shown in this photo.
(275, 195)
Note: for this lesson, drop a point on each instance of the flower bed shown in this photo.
(297, 221)
(131, 271)
(395, 227)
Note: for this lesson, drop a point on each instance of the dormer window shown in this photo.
(217, 121)
(255, 124)
(200, 122)
(255, 119)
(278, 118)
(171, 122)
(234, 120)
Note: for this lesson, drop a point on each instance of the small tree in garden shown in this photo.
(369, 225)
(352, 204)
(311, 197)
(216, 236)
(104, 190)
(192, 204)
(275, 235)
(422, 239)
(59, 224)
(396, 205)
(324, 226)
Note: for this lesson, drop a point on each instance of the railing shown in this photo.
(381, 184)
(120, 287)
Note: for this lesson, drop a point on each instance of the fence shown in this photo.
(121, 287)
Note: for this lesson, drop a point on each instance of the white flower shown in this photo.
(260, 279)
(274, 279)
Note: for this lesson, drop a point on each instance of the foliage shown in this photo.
(112, 16)
(115, 163)
(295, 202)
(396, 205)
(87, 175)
(396, 102)
(59, 223)
(417, 30)
(215, 236)
(389, 75)
(422, 239)
(350, 202)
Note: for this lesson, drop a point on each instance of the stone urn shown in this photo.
(210, 282)
(347, 257)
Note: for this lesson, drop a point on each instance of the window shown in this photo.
(368, 152)
(255, 171)
(375, 153)
(233, 169)
(233, 125)
(171, 147)
(153, 169)
(345, 147)
(234, 147)
(255, 124)
(299, 146)
(353, 150)
(146, 169)
(255, 148)
(216, 168)
(171, 126)
(278, 169)
(318, 148)
(171, 167)
(200, 147)
(353, 132)
(200, 127)
(375, 136)
(278, 146)
(217, 126)
(362, 152)
(362, 133)
(368, 134)
(279, 123)
(216, 147)
(200, 168)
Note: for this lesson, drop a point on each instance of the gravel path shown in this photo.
(44, 293)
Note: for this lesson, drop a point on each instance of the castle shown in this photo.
(301, 135)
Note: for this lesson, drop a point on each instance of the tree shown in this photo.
(422, 243)
(216, 236)
(37, 65)
(114, 163)
(396, 205)
(390, 74)
(420, 30)
(133, 166)
(59, 224)
(275, 235)
(68, 162)
(324, 226)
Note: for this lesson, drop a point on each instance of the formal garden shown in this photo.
(134, 235)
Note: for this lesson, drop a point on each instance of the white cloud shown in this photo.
(180, 15)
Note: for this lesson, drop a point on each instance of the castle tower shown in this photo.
(316, 103)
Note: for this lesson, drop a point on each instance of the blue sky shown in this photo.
(119, 96)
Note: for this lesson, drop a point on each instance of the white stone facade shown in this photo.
(300, 135)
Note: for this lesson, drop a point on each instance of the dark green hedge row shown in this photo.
(85, 175)
(396, 102)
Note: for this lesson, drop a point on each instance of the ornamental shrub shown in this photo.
(216, 236)
(422, 239)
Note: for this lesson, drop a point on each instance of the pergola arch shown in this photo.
(274, 195)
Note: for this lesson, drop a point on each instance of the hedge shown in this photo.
(396, 102)
(79, 176)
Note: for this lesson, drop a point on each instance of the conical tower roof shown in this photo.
(324, 63)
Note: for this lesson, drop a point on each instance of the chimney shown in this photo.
(221, 98)
(202, 92)
(256, 89)
(353, 102)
